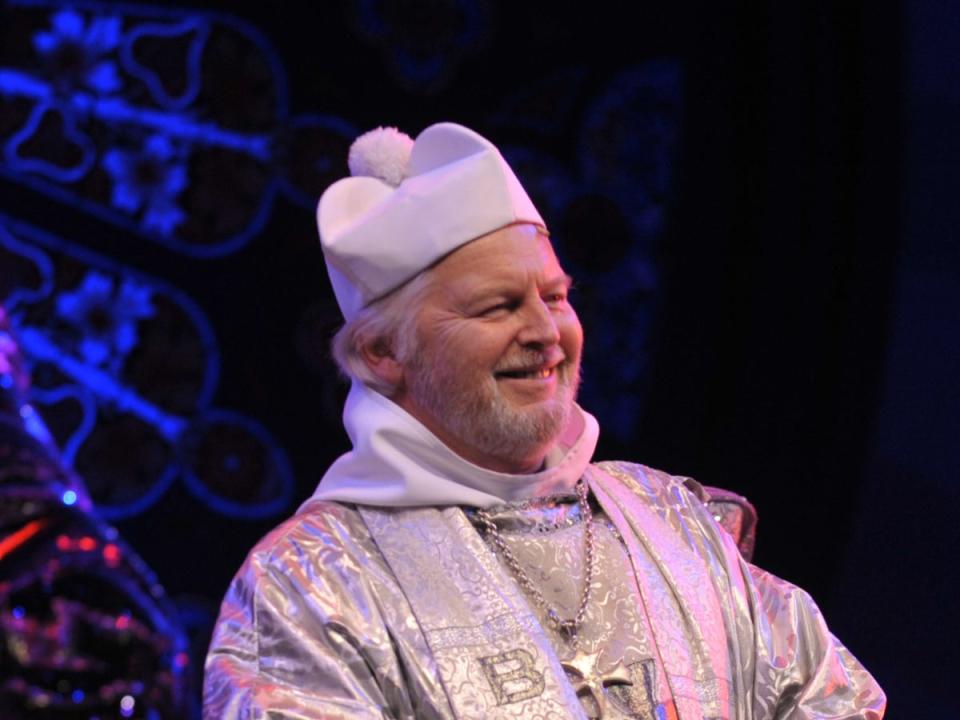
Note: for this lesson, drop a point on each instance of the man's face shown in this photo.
(497, 364)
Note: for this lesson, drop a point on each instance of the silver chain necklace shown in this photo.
(581, 668)
(567, 628)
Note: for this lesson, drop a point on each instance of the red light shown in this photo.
(123, 622)
(111, 553)
(16, 539)
(63, 543)
(87, 544)
(181, 659)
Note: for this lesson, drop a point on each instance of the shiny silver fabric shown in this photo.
(547, 539)
(371, 613)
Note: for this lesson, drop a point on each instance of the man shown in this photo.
(466, 559)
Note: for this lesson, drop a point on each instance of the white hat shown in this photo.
(414, 203)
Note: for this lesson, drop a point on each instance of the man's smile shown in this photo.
(541, 374)
(532, 366)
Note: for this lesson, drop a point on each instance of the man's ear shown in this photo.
(379, 357)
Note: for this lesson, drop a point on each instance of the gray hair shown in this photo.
(388, 324)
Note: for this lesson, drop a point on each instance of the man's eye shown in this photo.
(509, 306)
(498, 308)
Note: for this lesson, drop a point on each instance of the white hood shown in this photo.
(396, 462)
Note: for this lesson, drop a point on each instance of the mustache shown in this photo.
(528, 359)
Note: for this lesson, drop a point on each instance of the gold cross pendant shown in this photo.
(585, 679)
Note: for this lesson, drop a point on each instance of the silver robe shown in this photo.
(347, 612)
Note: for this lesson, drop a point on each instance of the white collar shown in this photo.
(397, 462)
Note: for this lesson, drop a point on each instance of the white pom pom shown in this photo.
(382, 153)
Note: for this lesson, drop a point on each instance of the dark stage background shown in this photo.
(757, 203)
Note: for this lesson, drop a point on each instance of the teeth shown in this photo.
(533, 374)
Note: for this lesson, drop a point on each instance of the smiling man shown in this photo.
(467, 559)
(496, 367)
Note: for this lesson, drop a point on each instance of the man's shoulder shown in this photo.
(669, 494)
(649, 480)
(327, 530)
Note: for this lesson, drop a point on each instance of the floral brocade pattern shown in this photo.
(548, 542)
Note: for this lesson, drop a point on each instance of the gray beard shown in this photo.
(480, 417)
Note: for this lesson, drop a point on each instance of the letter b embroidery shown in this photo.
(512, 676)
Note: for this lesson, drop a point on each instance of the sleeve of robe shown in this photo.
(794, 668)
(301, 633)
(803, 671)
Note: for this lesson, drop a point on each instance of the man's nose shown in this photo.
(539, 325)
